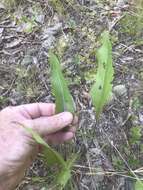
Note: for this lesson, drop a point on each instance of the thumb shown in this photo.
(52, 124)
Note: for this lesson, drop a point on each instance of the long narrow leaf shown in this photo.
(64, 100)
(138, 185)
(65, 174)
(51, 156)
(101, 90)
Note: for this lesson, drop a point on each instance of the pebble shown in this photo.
(120, 90)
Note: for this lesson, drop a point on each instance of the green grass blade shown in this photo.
(138, 185)
(64, 176)
(101, 90)
(51, 156)
(64, 100)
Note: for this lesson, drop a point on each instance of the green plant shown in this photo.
(102, 89)
(138, 185)
(64, 100)
(52, 157)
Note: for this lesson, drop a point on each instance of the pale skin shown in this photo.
(17, 147)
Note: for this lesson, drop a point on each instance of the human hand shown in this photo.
(17, 148)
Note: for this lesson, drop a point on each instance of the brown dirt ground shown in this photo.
(27, 31)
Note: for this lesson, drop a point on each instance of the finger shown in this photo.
(36, 110)
(69, 128)
(48, 125)
(59, 137)
(72, 129)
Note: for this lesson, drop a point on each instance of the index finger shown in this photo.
(36, 110)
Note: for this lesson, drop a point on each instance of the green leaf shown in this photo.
(102, 89)
(64, 100)
(63, 177)
(50, 155)
(65, 174)
(138, 185)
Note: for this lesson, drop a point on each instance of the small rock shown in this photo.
(51, 31)
(2, 6)
(121, 3)
(95, 151)
(141, 118)
(48, 42)
(27, 60)
(120, 90)
(48, 36)
(40, 18)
